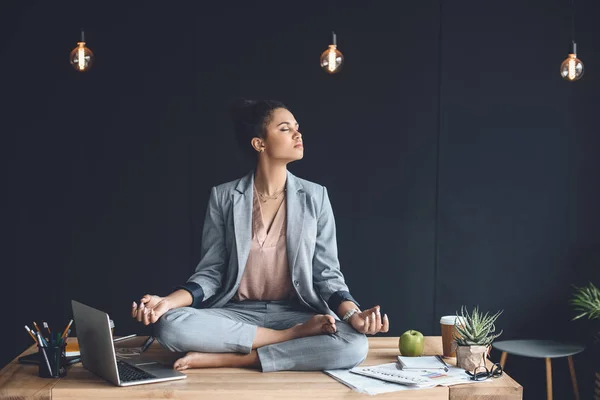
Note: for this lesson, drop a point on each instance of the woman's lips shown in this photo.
(299, 145)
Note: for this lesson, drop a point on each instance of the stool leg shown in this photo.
(503, 359)
(573, 377)
(548, 379)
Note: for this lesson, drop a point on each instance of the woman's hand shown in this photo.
(151, 308)
(370, 321)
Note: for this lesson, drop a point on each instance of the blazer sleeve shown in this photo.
(327, 276)
(207, 279)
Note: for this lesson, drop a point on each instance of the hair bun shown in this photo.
(241, 108)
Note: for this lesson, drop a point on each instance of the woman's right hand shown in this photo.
(151, 308)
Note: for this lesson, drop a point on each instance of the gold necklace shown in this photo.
(265, 197)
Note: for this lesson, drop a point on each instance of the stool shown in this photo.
(547, 349)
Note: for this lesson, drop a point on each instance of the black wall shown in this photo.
(461, 168)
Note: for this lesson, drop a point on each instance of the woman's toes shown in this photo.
(180, 364)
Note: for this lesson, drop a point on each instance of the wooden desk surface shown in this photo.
(19, 381)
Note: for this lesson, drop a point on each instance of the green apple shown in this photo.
(411, 343)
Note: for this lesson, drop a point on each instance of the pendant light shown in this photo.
(572, 68)
(81, 57)
(332, 59)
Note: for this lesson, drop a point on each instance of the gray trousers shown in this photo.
(232, 329)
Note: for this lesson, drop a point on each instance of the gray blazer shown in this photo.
(311, 245)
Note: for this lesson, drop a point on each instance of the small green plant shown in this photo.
(586, 301)
(476, 329)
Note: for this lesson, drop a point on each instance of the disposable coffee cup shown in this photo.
(448, 333)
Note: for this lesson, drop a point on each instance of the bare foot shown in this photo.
(217, 360)
(190, 360)
(317, 325)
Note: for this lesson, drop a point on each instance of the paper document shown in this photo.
(384, 378)
(364, 384)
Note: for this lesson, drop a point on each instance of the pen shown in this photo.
(124, 338)
(74, 360)
(45, 356)
(41, 341)
(31, 334)
(147, 343)
(47, 327)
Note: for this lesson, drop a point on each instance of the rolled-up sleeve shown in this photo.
(195, 291)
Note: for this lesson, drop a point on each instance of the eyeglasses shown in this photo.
(481, 373)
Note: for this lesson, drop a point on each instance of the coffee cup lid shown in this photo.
(449, 319)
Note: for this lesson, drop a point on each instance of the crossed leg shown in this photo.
(317, 325)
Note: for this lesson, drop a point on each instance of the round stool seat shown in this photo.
(538, 348)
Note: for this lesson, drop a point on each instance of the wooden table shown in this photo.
(18, 381)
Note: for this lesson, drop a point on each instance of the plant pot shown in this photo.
(471, 357)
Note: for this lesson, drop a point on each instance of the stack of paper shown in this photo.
(386, 378)
(420, 363)
(422, 378)
(365, 384)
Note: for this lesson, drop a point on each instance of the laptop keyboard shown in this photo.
(129, 373)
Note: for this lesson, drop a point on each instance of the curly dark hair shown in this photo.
(250, 119)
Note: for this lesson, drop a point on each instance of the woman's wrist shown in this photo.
(179, 298)
(349, 314)
(345, 307)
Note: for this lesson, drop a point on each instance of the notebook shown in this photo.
(391, 373)
(421, 363)
(72, 349)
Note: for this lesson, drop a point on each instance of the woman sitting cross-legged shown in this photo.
(268, 292)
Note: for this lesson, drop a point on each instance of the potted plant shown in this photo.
(586, 301)
(475, 334)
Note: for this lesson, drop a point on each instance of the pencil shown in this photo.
(64, 338)
(67, 328)
(47, 327)
(31, 334)
(37, 328)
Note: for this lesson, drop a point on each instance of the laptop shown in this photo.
(98, 352)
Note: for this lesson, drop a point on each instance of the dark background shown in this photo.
(461, 168)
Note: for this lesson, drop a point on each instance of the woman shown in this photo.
(268, 292)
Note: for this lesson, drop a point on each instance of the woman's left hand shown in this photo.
(370, 321)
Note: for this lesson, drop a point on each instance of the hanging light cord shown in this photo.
(573, 20)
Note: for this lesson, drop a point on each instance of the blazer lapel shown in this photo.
(242, 220)
(296, 204)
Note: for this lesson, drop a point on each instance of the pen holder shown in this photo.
(53, 360)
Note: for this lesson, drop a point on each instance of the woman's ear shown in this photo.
(257, 144)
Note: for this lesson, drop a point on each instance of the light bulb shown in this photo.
(81, 57)
(572, 68)
(332, 59)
